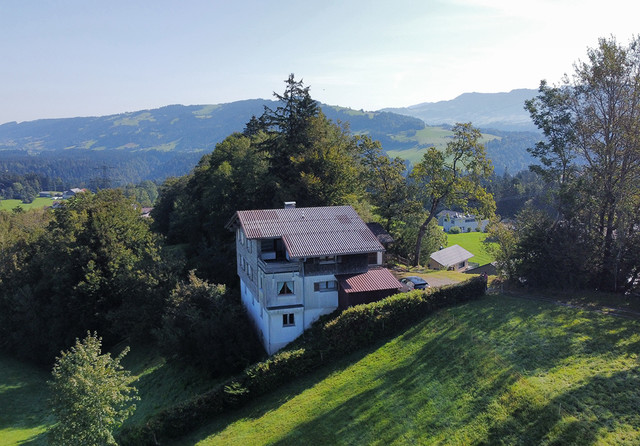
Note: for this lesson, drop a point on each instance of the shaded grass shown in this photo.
(497, 371)
(24, 415)
(472, 242)
(24, 411)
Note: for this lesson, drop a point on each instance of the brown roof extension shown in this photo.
(310, 232)
(372, 280)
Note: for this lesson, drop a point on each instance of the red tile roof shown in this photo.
(372, 280)
(310, 232)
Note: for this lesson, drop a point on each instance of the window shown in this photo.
(285, 287)
(327, 259)
(288, 320)
(249, 243)
(373, 258)
(329, 285)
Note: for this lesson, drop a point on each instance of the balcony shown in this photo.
(278, 266)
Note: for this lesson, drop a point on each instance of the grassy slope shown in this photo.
(23, 403)
(39, 202)
(472, 242)
(500, 370)
(24, 415)
(429, 136)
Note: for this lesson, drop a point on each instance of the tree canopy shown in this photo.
(591, 121)
(91, 395)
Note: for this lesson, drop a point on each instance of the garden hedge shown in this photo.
(329, 338)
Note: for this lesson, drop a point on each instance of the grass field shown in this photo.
(23, 403)
(472, 242)
(39, 202)
(497, 371)
(428, 136)
(24, 414)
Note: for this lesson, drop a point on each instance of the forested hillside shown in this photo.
(156, 144)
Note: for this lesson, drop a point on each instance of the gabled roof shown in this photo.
(383, 236)
(451, 256)
(310, 232)
(372, 280)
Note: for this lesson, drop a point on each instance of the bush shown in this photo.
(330, 338)
(207, 326)
(454, 230)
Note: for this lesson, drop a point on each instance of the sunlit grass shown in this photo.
(498, 371)
(472, 242)
(39, 202)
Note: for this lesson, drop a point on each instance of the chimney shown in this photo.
(289, 204)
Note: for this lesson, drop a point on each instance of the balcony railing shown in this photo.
(278, 266)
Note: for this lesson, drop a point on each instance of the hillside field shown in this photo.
(39, 202)
(472, 242)
(501, 370)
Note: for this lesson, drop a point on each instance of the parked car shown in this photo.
(414, 283)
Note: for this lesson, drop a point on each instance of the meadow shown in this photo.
(501, 370)
(472, 242)
(39, 202)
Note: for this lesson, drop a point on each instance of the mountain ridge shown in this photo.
(502, 111)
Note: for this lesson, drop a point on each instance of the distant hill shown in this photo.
(501, 111)
(169, 141)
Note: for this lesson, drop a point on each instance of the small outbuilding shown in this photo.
(366, 287)
(454, 258)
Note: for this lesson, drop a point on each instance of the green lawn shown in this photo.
(39, 202)
(24, 416)
(497, 371)
(472, 242)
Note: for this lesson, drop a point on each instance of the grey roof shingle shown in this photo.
(451, 255)
(310, 232)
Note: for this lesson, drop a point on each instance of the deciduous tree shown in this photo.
(453, 178)
(91, 395)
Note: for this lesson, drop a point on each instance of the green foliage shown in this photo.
(91, 395)
(501, 243)
(330, 338)
(453, 178)
(592, 152)
(97, 266)
(454, 230)
(206, 326)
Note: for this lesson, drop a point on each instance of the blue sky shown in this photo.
(68, 58)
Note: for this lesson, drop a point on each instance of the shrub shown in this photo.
(454, 230)
(330, 338)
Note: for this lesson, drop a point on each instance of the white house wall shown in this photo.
(256, 313)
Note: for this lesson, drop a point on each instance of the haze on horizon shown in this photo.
(75, 58)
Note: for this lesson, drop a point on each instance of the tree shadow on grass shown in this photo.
(576, 417)
(23, 397)
(472, 356)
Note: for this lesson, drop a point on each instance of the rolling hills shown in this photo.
(154, 144)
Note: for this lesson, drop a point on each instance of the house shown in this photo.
(490, 269)
(296, 264)
(466, 222)
(454, 258)
(72, 193)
